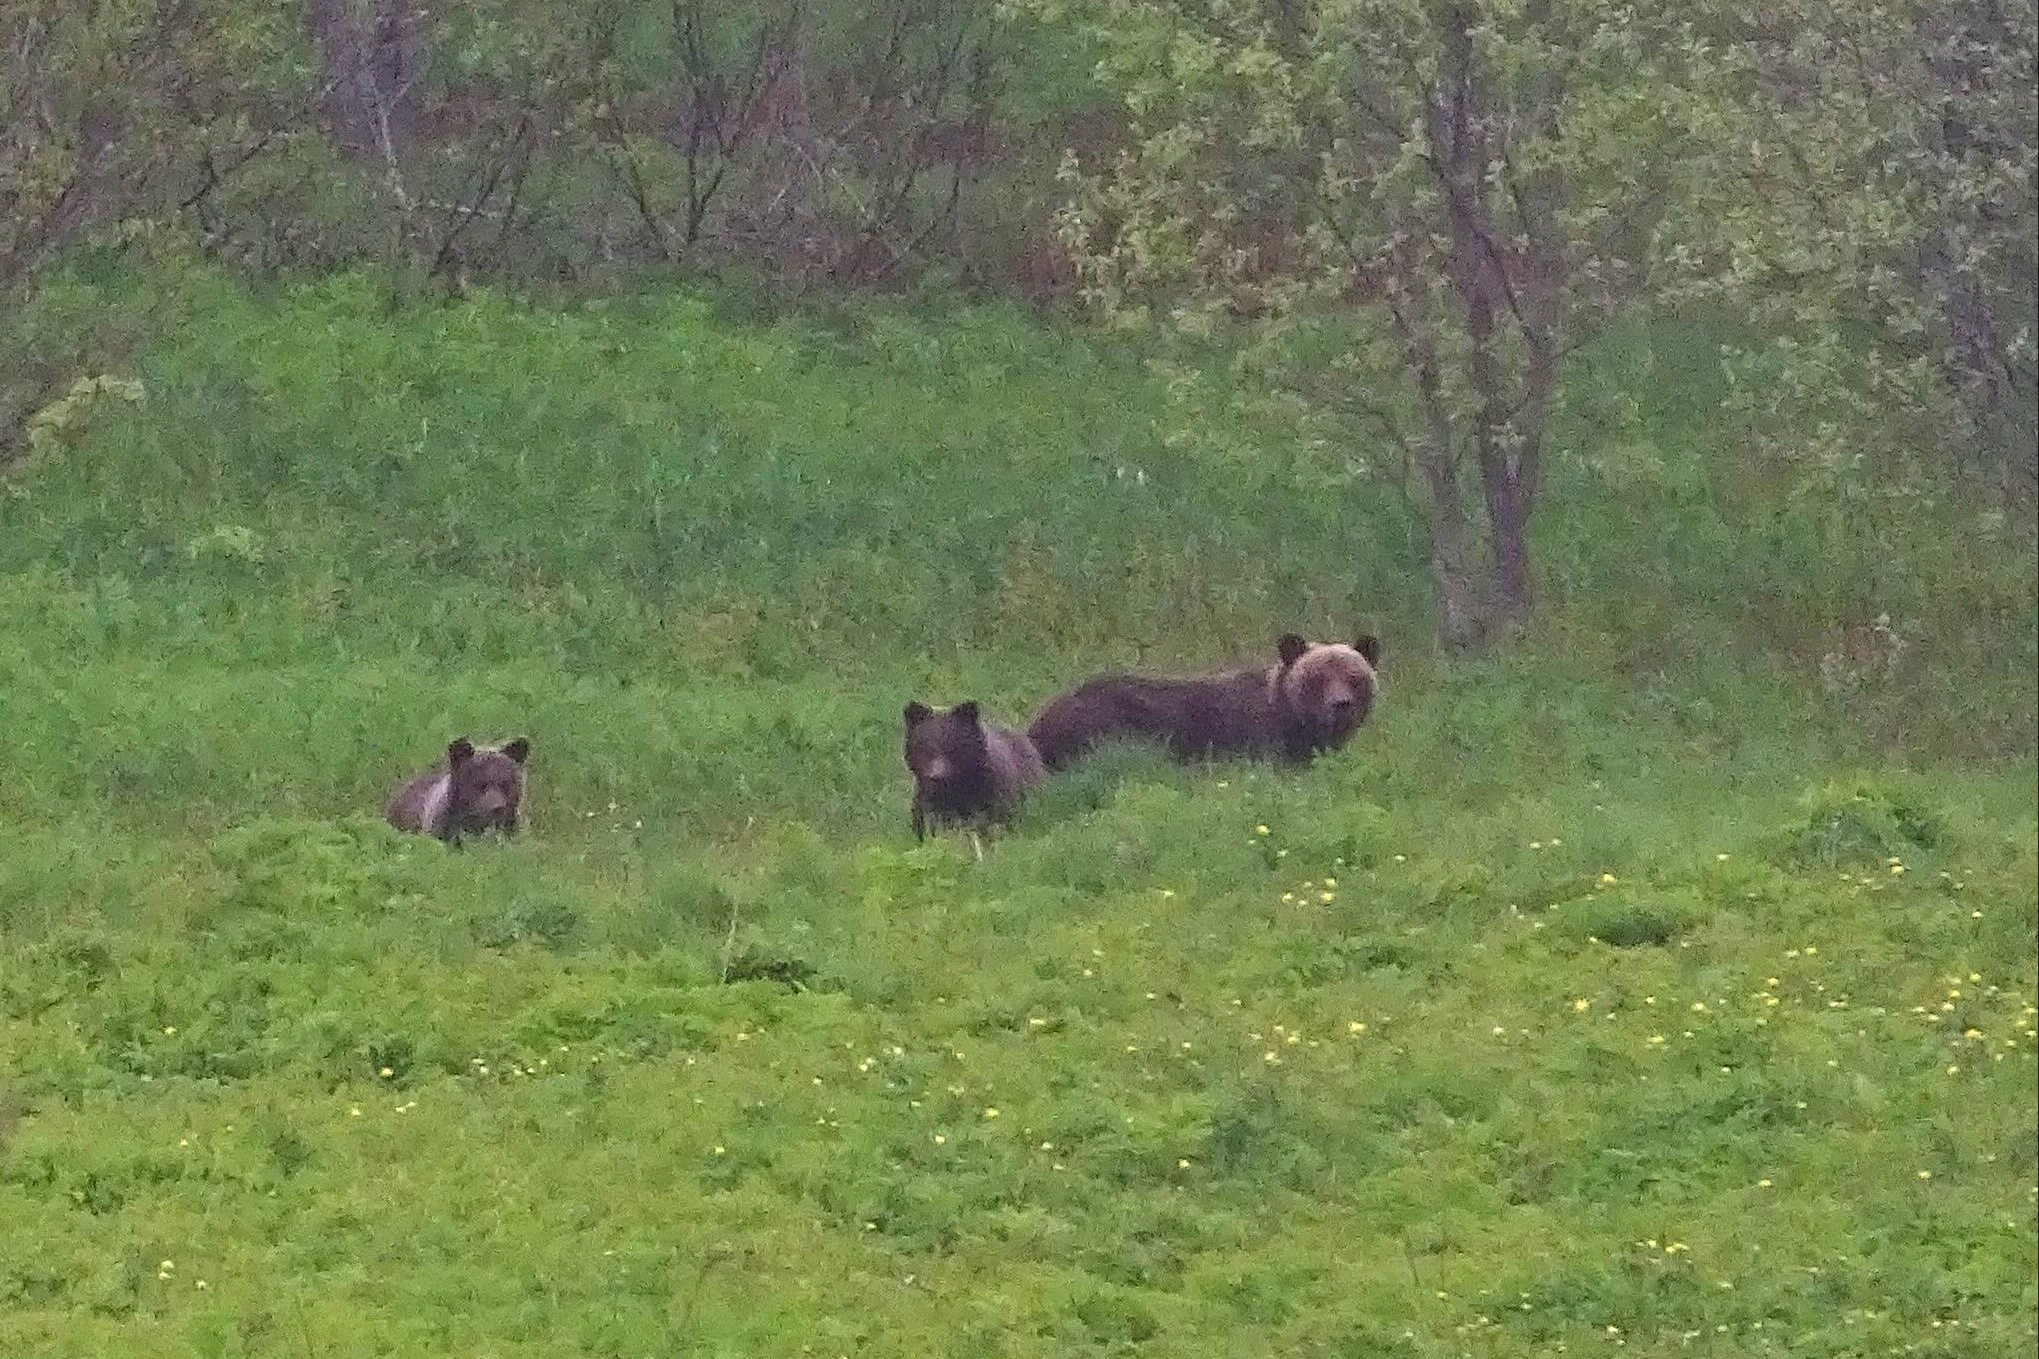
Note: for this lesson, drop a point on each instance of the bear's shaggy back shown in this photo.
(1311, 698)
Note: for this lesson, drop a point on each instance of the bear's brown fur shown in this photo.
(1312, 699)
(965, 772)
(1327, 692)
(472, 791)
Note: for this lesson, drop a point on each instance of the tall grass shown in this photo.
(1681, 925)
(468, 512)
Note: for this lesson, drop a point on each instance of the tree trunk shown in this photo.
(1460, 151)
(1511, 467)
(1966, 46)
(371, 63)
(1508, 553)
(2004, 448)
(1454, 584)
(1454, 575)
(1506, 283)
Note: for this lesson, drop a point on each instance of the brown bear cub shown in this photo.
(477, 789)
(1312, 699)
(964, 771)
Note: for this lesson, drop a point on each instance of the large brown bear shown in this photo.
(475, 790)
(965, 772)
(1312, 699)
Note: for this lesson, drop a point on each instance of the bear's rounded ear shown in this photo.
(518, 750)
(459, 752)
(917, 713)
(1369, 646)
(966, 710)
(1290, 647)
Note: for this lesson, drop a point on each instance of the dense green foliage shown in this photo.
(1409, 214)
(1665, 983)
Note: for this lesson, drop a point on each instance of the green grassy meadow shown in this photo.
(1663, 985)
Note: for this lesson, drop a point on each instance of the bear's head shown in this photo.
(484, 786)
(945, 750)
(1325, 690)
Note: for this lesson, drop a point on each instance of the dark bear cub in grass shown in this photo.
(1311, 699)
(965, 772)
(477, 789)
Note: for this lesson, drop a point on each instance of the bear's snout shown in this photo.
(1343, 713)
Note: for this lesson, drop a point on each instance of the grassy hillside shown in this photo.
(1666, 984)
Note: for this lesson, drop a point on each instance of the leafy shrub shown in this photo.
(297, 867)
(1856, 823)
